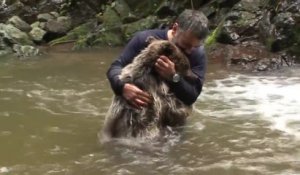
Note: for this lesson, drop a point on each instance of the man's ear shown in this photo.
(150, 39)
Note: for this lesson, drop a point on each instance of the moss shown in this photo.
(269, 43)
(107, 36)
(74, 34)
(295, 49)
(131, 28)
(212, 38)
(111, 18)
(81, 43)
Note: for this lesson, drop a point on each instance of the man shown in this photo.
(188, 33)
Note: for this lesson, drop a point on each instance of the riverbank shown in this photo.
(255, 35)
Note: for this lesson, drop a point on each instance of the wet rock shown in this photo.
(14, 35)
(111, 18)
(143, 8)
(19, 23)
(81, 10)
(279, 27)
(59, 26)
(25, 50)
(35, 24)
(112, 37)
(29, 2)
(130, 18)
(37, 34)
(167, 8)
(16, 8)
(245, 59)
(284, 27)
(45, 17)
(121, 7)
(4, 47)
(209, 11)
(54, 14)
(267, 64)
(241, 22)
(262, 65)
(78, 33)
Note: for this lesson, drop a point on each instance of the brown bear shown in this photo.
(166, 111)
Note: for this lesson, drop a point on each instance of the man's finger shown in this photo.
(144, 97)
(165, 59)
(146, 100)
(162, 63)
(159, 66)
(133, 104)
(140, 103)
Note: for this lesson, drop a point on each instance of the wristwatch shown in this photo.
(176, 78)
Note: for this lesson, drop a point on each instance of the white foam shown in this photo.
(4, 170)
(276, 99)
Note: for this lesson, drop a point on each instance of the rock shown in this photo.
(267, 64)
(142, 24)
(112, 37)
(35, 24)
(262, 65)
(54, 14)
(4, 48)
(130, 18)
(111, 18)
(29, 2)
(121, 7)
(37, 34)
(77, 33)
(16, 8)
(38, 24)
(14, 35)
(19, 23)
(167, 8)
(42, 25)
(59, 26)
(285, 25)
(82, 10)
(25, 50)
(279, 27)
(44, 17)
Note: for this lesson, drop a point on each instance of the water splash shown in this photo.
(275, 99)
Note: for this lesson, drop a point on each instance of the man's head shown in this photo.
(189, 30)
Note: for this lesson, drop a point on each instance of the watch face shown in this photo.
(176, 78)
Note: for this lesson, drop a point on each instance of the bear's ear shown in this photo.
(150, 39)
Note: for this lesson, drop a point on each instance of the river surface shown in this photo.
(52, 107)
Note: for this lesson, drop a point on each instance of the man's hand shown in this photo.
(135, 96)
(165, 67)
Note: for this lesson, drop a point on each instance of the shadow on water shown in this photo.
(52, 108)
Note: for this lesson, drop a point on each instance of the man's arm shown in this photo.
(185, 90)
(130, 51)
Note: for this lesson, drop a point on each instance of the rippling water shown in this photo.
(51, 109)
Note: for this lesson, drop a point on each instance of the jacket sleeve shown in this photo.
(132, 49)
(188, 91)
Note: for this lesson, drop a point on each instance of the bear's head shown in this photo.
(164, 47)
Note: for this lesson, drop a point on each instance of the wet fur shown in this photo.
(165, 112)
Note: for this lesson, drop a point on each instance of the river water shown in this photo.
(52, 107)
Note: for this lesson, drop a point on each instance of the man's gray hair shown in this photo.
(194, 21)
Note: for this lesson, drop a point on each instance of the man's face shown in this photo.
(186, 41)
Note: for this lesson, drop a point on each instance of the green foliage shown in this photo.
(212, 38)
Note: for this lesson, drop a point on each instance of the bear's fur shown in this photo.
(166, 111)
